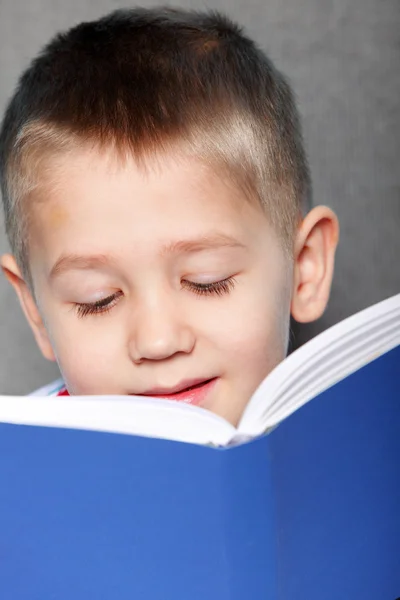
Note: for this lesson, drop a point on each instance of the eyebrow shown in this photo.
(207, 242)
(98, 261)
(75, 261)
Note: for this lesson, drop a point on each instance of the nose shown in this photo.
(160, 330)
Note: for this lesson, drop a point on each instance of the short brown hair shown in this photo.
(147, 81)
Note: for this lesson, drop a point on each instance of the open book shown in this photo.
(318, 365)
(308, 511)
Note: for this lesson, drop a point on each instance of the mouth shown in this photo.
(191, 392)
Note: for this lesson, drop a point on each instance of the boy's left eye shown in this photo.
(219, 288)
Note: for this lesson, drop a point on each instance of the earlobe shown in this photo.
(28, 304)
(315, 248)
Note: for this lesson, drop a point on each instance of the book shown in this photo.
(124, 497)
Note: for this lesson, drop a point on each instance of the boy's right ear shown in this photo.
(28, 304)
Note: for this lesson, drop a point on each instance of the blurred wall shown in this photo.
(342, 57)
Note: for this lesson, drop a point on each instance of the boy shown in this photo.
(155, 185)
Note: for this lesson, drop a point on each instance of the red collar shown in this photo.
(63, 392)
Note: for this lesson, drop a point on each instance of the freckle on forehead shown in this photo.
(57, 215)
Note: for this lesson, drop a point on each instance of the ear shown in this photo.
(315, 248)
(28, 304)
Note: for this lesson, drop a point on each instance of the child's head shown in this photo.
(155, 185)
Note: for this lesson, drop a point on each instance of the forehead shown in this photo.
(75, 185)
(93, 203)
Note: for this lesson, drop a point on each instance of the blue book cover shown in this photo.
(310, 510)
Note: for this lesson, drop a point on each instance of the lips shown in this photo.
(192, 391)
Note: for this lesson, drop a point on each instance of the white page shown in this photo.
(134, 415)
(332, 369)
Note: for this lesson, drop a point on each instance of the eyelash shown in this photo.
(217, 288)
(100, 306)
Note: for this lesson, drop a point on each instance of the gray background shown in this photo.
(342, 57)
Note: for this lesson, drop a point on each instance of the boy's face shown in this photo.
(191, 283)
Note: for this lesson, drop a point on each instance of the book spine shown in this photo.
(249, 518)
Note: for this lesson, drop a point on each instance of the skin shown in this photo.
(161, 237)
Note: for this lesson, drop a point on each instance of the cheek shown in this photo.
(258, 315)
(257, 344)
(252, 332)
(88, 356)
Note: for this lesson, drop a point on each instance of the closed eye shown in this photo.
(217, 288)
(100, 306)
